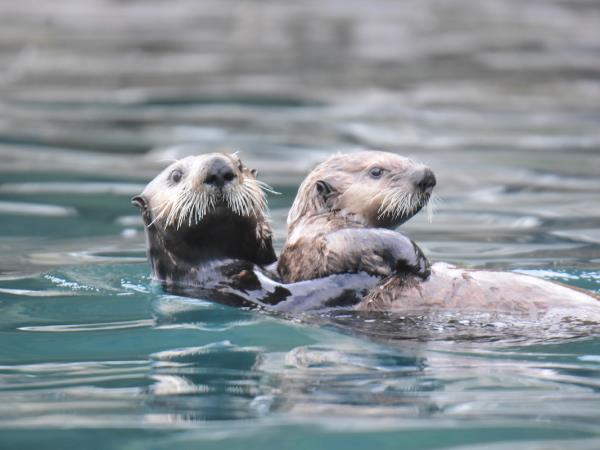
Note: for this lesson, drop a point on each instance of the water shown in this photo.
(500, 98)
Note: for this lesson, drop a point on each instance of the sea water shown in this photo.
(500, 98)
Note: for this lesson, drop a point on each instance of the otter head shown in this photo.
(379, 189)
(202, 208)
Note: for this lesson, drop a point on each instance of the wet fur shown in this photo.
(332, 244)
(386, 202)
(219, 251)
(331, 225)
(176, 257)
(447, 289)
(452, 289)
(182, 236)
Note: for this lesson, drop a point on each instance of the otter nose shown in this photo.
(427, 180)
(219, 173)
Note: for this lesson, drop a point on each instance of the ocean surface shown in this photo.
(501, 98)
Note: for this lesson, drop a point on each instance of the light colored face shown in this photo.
(382, 189)
(189, 189)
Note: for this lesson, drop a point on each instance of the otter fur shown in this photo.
(334, 225)
(353, 200)
(204, 208)
(208, 235)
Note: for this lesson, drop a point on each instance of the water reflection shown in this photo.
(180, 312)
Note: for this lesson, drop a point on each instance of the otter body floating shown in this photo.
(200, 209)
(208, 235)
(453, 289)
(337, 223)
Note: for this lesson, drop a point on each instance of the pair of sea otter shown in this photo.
(208, 234)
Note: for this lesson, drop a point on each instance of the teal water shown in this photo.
(500, 98)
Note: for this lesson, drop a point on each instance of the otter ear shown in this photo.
(325, 191)
(139, 202)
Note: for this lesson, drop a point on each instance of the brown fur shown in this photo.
(330, 224)
(313, 218)
(356, 193)
(451, 289)
(328, 253)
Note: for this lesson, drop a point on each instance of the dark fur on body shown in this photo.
(201, 209)
(179, 256)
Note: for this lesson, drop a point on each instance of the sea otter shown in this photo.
(204, 208)
(334, 225)
(208, 234)
(340, 214)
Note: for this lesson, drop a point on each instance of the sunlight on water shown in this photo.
(500, 98)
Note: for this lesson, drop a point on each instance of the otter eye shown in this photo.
(176, 175)
(376, 172)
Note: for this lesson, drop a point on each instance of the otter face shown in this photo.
(381, 189)
(184, 193)
(204, 208)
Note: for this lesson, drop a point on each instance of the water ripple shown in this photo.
(90, 326)
(499, 97)
(36, 209)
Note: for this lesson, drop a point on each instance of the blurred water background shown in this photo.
(500, 97)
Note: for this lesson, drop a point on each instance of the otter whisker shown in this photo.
(388, 202)
(173, 211)
(233, 201)
(161, 208)
(432, 204)
(200, 207)
(185, 206)
(254, 198)
(252, 186)
(265, 187)
(430, 212)
(405, 205)
(246, 206)
(258, 202)
(251, 198)
(394, 202)
(247, 198)
(184, 211)
(236, 204)
(236, 201)
(157, 217)
(208, 203)
(192, 209)
(398, 204)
